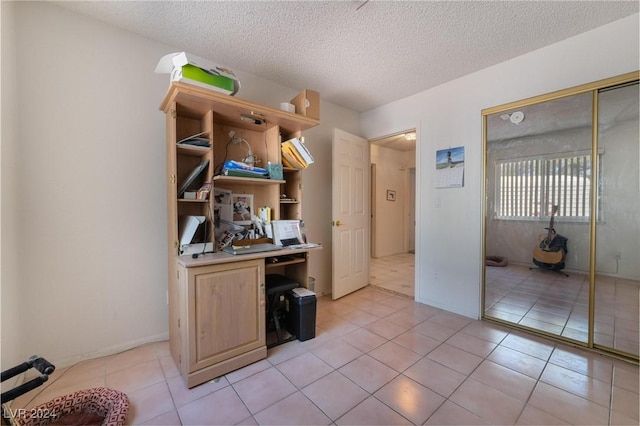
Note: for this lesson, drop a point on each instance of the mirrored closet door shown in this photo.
(561, 194)
(617, 254)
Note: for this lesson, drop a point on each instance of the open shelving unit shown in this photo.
(217, 301)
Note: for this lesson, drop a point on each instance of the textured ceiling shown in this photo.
(357, 54)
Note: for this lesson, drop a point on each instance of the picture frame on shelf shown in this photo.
(222, 207)
(242, 208)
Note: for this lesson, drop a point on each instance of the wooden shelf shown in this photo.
(229, 109)
(182, 200)
(193, 150)
(285, 263)
(289, 202)
(252, 181)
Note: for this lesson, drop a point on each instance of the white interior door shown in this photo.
(350, 209)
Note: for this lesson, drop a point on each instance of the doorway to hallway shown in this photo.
(393, 203)
(394, 273)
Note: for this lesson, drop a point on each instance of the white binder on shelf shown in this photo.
(188, 225)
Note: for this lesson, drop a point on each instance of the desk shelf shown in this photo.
(285, 263)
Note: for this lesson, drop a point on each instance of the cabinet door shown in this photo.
(226, 311)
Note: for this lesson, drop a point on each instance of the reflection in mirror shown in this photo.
(617, 281)
(538, 198)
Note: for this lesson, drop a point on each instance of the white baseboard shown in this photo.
(453, 309)
(110, 350)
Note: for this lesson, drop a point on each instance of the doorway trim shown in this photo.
(373, 198)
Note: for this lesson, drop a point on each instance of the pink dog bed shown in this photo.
(96, 406)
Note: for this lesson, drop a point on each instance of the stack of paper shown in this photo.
(295, 154)
(196, 140)
(303, 292)
(187, 227)
(237, 168)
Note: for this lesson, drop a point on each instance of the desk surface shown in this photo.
(221, 257)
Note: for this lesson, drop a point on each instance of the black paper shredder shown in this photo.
(301, 319)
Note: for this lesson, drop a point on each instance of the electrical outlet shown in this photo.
(618, 256)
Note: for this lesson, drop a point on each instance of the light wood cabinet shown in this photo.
(223, 318)
(216, 304)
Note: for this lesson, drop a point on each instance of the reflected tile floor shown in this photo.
(377, 358)
(395, 273)
(551, 302)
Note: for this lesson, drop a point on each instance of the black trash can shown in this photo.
(301, 318)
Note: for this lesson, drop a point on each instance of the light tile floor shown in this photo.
(395, 273)
(377, 358)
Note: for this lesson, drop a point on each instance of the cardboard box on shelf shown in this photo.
(308, 104)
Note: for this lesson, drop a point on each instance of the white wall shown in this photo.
(448, 246)
(92, 211)
(9, 284)
(89, 210)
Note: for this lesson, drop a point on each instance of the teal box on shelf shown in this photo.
(275, 171)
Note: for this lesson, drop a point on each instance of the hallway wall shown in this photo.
(391, 216)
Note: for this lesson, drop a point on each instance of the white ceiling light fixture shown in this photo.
(516, 117)
(410, 136)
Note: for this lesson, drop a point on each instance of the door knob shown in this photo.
(337, 223)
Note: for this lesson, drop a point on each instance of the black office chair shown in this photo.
(277, 286)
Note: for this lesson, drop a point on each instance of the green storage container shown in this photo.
(198, 74)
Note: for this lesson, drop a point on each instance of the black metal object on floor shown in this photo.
(35, 361)
(277, 286)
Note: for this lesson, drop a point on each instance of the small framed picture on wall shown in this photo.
(391, 195)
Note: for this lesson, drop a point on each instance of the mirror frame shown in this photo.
(594, 88)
